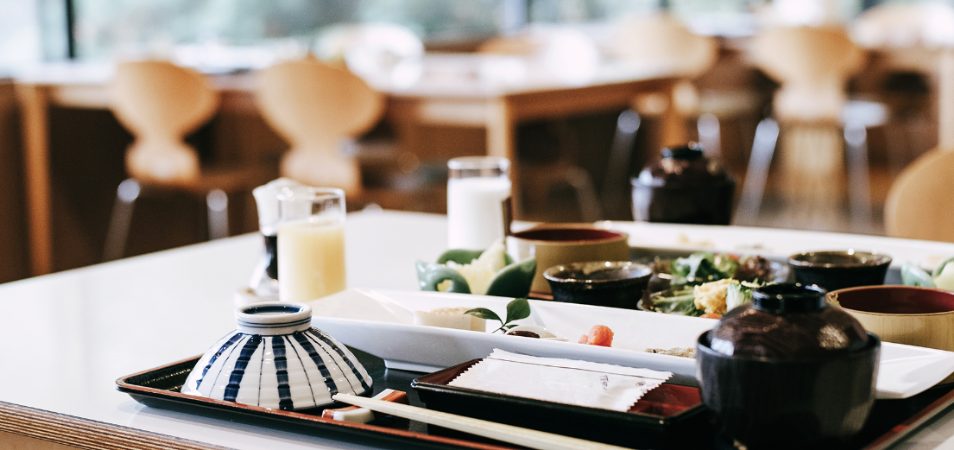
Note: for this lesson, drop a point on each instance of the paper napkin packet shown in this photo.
(567, 381)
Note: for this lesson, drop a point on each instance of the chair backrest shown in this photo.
(812, 64)
(315, 107)
(660, 40)
(919, 204)
(160, 103)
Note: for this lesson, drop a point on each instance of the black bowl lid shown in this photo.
(789, 297)
(684, 166)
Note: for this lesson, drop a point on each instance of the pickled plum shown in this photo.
(598, 335)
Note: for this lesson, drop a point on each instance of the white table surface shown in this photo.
(66, 337)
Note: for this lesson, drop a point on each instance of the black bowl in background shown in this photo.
(839, 269)
(683, 186)
(809, 403)
(703, 205)
(618, 284)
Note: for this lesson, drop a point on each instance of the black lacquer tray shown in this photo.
(159, 387)
(669, 416)
(890, 420)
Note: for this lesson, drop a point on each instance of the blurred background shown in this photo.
(813, 138)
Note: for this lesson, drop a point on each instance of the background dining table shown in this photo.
(68, 336)
(440, 90)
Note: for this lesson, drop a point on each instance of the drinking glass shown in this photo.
(478, 201)
(311, 253)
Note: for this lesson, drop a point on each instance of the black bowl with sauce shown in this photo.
(619, 284)
(839, 269)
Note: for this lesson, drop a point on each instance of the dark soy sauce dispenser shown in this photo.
(264, 282)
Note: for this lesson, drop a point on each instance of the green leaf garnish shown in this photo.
(484, 313)
(518, 308)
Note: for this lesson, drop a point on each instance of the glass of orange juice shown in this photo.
(311, 253)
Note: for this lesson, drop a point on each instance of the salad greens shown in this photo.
(709, 284)
(700, 267)
(680, 301)
(739, 294)
(710, 299)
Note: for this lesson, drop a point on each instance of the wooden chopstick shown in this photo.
(501, 432)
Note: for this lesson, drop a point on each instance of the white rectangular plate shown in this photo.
(381, 322)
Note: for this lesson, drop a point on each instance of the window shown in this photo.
(30, 31)
(587, 10)
(105, 28)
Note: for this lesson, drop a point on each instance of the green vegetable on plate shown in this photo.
(942, 277)
(490, 272)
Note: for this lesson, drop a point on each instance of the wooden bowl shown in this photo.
(565, 243)
(902, 314)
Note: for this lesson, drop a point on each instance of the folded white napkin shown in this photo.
(568, 381)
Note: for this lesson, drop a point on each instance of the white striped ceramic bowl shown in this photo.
(274, 359)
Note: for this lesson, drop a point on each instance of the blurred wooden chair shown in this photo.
(906, 42)
(812, 65)
(919, 204)
(320, 109)
(374, 51)
(550, 50)
(660, 42)
(160, 103)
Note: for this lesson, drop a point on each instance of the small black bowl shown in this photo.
(618, 284)
(810, 403)
(839, 269)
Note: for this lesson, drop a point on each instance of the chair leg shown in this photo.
(763, 150)
(217, 203)
(586, 197)
(859, 191)
(710, 134)
(620, 157)
(121, 219)
(899, 141)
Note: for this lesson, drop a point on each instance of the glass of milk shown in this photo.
(478, 194)
(311, 261)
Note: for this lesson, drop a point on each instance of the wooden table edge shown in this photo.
(85, 433)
